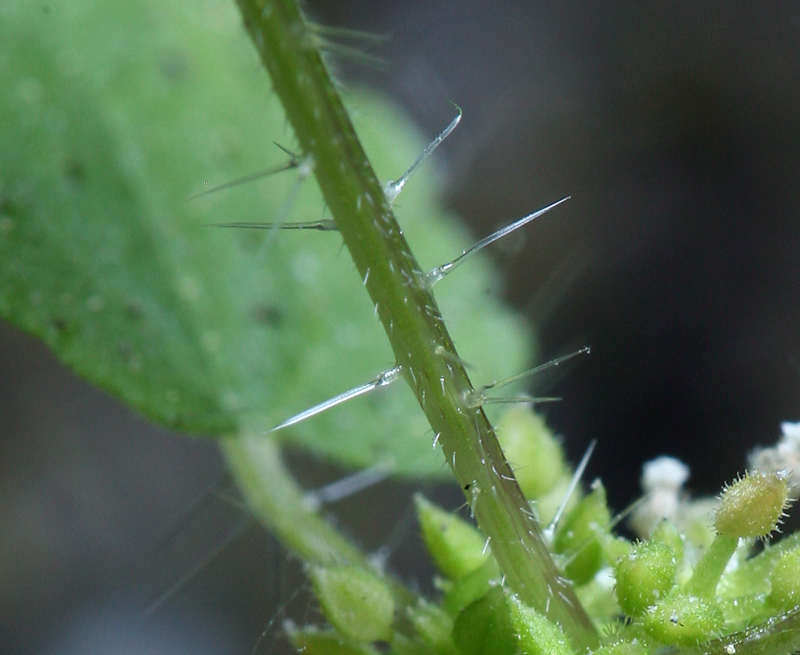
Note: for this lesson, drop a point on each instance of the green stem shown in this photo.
(408, 310)
(708, 571)
(273, 495)
(276, 499)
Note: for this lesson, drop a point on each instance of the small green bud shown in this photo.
(752, 506)
(472, 587)
(403, 645)
(633, 647)
(457, 547)
(785, 580)
(536, 635)
(666, 532)
(485, 626)
(644, 576)
(616, 547)
(315, 642)
(535, 454)
(357, 602)
(580, 536)
(434, 626)
(680, 620)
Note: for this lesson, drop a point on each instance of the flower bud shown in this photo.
(316, 642)
(633, 647)
(485, 626)
(535, 454)
(785, 579)
(644, 576)
(457, 548)
(536, 635)
(434, 627)
(680, 620)
(752, 506)
(357, 602)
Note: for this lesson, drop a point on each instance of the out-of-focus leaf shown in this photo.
(112, 114)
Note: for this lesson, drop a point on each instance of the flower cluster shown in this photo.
(693, 578)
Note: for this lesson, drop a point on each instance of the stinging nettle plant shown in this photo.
(220, 333)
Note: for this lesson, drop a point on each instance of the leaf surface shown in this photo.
(113, 115)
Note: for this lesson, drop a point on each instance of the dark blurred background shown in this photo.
(676, 129)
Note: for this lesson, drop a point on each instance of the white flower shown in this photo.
(662, 481)
(783, 457)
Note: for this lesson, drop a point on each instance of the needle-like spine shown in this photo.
(436, 274)
(384, 379)
(392, 188)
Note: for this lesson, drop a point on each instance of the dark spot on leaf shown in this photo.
(7, 207)
(268, 314)
(133, 311)
(174, 66)
(75, 172)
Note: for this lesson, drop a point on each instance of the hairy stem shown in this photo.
(407, 309)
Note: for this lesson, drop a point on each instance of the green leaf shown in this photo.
(121, 111)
